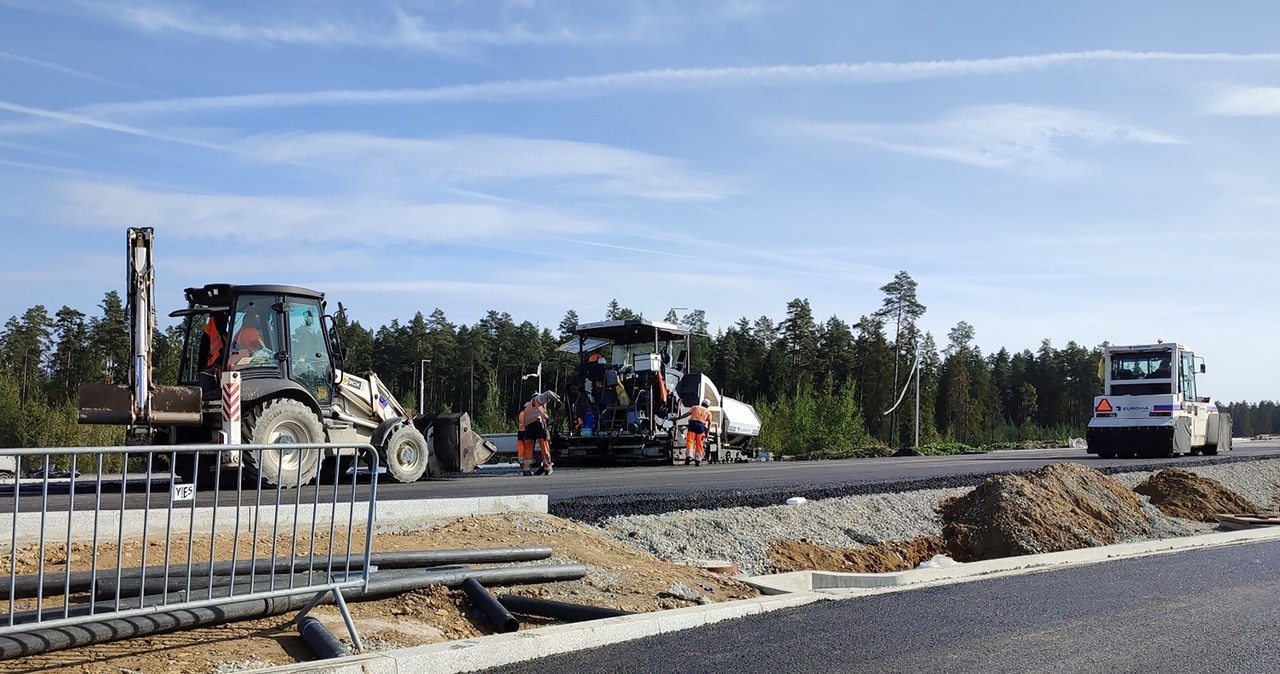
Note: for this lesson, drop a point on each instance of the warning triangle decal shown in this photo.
(1103, 406)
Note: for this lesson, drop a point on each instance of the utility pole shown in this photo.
(917, 446)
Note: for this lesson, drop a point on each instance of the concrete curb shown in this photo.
(784, 591)
(504, 649)
(391, 516)
(845, 583)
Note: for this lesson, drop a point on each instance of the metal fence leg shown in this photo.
(346, 617)
(311, 603)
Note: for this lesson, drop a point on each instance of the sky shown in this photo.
(1087, 171)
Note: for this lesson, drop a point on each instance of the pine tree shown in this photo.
(110, 335)
(901, 306)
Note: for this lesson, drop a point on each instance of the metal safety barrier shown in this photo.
(87, 547)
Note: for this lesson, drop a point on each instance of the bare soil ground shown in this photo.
(1182, 493)
(619, 577)
(788, 555)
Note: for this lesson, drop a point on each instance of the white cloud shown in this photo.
(666, 79)
(267, 219)
(72, 72)
(101, 124)
(422, 27)
(999, 136)
(488, 159)
(1246, 102)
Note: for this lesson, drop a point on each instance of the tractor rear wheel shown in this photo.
(283, 421)
(406, 454)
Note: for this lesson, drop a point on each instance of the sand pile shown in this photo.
(1065, 506)
(1182, 493)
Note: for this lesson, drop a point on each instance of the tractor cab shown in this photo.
(274, 335)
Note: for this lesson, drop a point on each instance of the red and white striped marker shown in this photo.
(231, 407)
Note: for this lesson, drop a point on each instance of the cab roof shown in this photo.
(219, 296)
(630, 331)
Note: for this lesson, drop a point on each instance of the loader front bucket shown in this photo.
(456, 446)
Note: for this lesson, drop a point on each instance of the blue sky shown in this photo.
(1089, 171)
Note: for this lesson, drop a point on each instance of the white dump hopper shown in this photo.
(740, 421)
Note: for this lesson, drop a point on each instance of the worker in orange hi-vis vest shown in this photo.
(696, 433)
(524, 445)
(215, 343)
(535, 432)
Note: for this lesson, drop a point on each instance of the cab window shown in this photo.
(1187, 376)
(309, 362)
(255, 333)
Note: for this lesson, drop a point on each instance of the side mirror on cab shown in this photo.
(1201, 368)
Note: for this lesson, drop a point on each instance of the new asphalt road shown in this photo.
(1202, 611)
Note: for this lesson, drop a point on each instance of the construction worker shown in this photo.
(248, 337)
(696, 433)
(215, 343)
(534, 431)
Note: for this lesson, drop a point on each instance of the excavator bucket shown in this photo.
(458, 449)
(113, 404)
(106, 404)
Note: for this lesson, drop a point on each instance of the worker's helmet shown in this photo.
(706, 403)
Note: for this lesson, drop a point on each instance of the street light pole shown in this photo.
(538, 374)
(422, 378)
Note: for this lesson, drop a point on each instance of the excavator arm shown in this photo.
(139, 404)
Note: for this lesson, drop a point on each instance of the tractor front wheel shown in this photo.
(406, 454)
(283, 421)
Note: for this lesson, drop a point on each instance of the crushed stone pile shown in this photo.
(792, 555)
(1064, 506)
(1182, 493)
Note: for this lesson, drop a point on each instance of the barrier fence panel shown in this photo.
(87, 545)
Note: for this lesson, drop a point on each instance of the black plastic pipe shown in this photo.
(396, 582)
(497, 614)
(381, 584)
(28, 586)
(557, 610)
(105, 590)
(321, 640)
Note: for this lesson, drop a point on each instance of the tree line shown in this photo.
(818, 385)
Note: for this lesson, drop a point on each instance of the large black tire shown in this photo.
(334, 470)
(283, 421)
(406, 454)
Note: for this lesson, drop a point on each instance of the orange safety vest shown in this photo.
(700, 413)
(215, 342)
(529, 415)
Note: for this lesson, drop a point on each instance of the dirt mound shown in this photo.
(789, 555)
(1064, 506)
(1182, 493)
